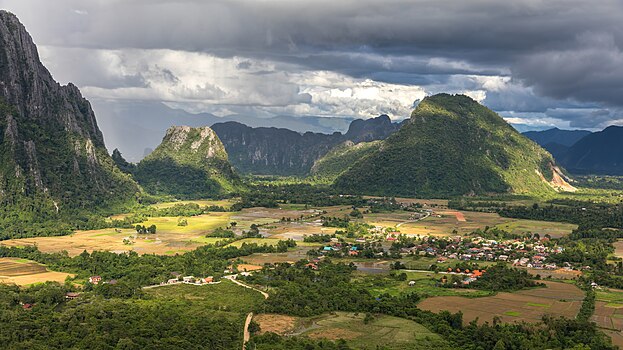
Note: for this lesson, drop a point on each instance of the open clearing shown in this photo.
(291, 256)
(558, 299)
(279, 324)
(387, 331)
(24, 272)
(171, 238)
(425, 285)
(224, 296)
(618, 248)
(554, 229)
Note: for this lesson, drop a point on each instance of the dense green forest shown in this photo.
(49, 183)
(97, 323)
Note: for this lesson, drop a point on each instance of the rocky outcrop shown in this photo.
(189, 163)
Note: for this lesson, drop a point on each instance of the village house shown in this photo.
(312, 266)
(95, 279)
(72, 295)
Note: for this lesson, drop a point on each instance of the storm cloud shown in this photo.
(552, 62)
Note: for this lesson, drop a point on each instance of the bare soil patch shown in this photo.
(279, 324)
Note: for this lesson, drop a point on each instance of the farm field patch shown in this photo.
(557, 299)
(425, 285)
(169, 238)
(554, 229)
(291, 256)
(608, 313)
(444, 222)
(24, 272)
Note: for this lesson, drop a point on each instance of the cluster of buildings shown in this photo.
(525, 253)
(198, 281)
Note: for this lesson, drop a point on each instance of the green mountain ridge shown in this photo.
(454, 146)
(189, 163)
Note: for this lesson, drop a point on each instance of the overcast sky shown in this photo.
(539, 63)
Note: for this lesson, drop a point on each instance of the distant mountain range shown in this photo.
(555, 140)
(279, 151)
(558, 136)
(134, 126)
(597, 153)
(584, 152)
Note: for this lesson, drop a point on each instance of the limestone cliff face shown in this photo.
(28, 86)
(50, 144)
(286, 152)
(189, 163)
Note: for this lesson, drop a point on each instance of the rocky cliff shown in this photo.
(52, 151)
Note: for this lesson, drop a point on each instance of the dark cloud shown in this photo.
(559, 53)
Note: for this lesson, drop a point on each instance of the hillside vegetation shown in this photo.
(189, 163)
(341, 157)
(453, 146)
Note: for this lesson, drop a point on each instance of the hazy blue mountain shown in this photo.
(556, 136)
(133, 126)
(597, 153)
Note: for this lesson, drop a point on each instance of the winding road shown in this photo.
(416, 220)
(246, 334)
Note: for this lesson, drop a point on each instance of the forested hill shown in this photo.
(453, 146)
(279, 151)
(189, 163)
(53, 159)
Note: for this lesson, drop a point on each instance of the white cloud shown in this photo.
(201, 82)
